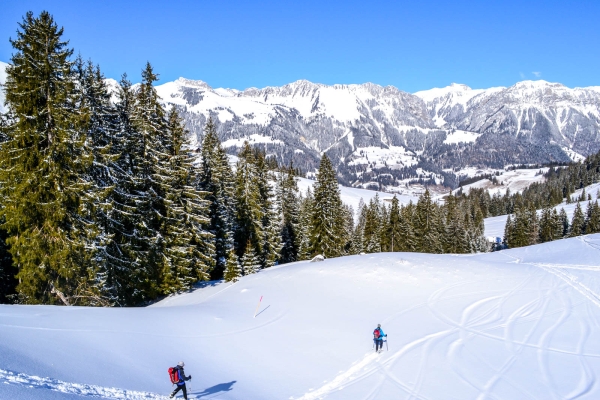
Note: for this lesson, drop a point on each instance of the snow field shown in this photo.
(522, 323)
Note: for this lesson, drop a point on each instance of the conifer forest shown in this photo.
(104, 202)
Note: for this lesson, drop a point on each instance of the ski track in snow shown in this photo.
(36, 382)
(478, 318)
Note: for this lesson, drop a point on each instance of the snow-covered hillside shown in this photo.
(515, 324)
(494, 226)
(515, 180)
(352, 196)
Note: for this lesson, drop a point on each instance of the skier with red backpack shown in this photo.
(378, 336)
(178, 377)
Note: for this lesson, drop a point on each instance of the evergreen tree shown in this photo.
(425, 224)
(233, 270)
(272, 219)
(578, 222)
(408, 239)
(216, 178)
(393, 227)
(327, 224)
(358, 240)
(564, 222)
(189, 248)
(101, 127)
(250, 262)
(371, 230)
(306, 212)
(126, 222)
(42, 164)
(547, 226)
(249, 210)
(289, 209)
(592, 222)
(8, 282)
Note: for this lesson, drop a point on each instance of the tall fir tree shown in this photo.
(249, 210)
(217, 179)
(42, 165)
(578, 222)
(393, 226)
(189, 247)
(250, 262)
(326, 232)
(564, 222)
(289, 208)
(305, 217)
(592, 221)
(233, 270)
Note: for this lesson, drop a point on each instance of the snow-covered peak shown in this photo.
(192, 83)
(456, 91)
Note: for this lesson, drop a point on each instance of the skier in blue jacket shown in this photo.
(378, 336)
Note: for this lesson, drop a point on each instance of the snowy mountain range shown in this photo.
(381, 137)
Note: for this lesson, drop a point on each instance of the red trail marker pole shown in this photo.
(257, 306)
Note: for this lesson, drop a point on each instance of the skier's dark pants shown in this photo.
(378, 344)
(182, 387)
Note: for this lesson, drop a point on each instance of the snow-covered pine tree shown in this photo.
(578, 222)
(547, 229)
(592, 221)
(288, 205)
(393, 226)
(327, 225)
(408, 241)
(217, 179)
(149, 120)
(101, 128)
(358, 241)
(42, 164)
(564, 221)
(305, 218)
(189, 247)
(233, 270)
(384, 217)
(272, 219)
(131, 236)
(249, 233)
(425, 224)
(455, 238)
(250, 262)
(372, 228)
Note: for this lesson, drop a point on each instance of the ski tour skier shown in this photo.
(378, 336)
(180, 379)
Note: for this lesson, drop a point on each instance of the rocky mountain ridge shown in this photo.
(381, 137)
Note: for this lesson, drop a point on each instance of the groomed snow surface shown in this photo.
(515, 324)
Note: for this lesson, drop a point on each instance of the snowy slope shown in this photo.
(515, 324)
(352, 196)
(514, 180)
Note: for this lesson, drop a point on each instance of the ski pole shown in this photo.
(257, 306)
(386, 345)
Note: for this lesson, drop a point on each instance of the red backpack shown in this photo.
(377, 333)
(174, 374)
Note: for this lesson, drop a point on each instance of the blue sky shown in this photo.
(412, 45)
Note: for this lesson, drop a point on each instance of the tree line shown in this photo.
(103, 201)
